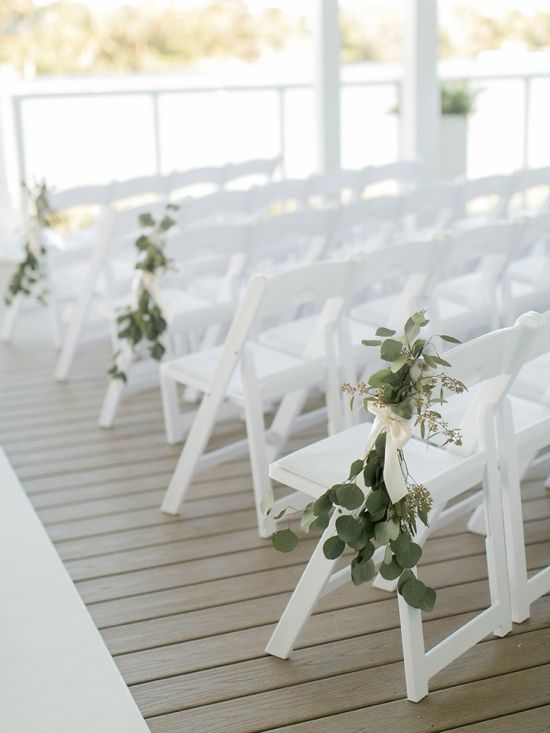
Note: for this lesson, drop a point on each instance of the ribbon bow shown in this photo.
(398, 432)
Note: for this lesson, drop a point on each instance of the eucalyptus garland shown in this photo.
(144, 321)
(380, 503)
(28, 279)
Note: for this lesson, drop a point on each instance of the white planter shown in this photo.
(454, 130)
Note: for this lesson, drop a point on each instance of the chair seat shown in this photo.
(315, 468)
(196, 370)
(291, 337)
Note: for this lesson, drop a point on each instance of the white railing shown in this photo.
(254, 121)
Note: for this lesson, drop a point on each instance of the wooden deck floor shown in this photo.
(186, 605)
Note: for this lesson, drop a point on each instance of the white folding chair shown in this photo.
(249, 376)
(525, 279)
(531, 191)
(467, 299)
(366, 225)
(483, 200)
(66, 254)
(491, 362)
(116, 234)
(430, 209)
(141, 189)
(335, 187)
(185, 313)
(524, 431)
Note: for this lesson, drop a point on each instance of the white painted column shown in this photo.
(327, 83)
(8, 220)
(420, 115)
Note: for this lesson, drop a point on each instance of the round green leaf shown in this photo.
(391, 349)
(284, 541)
(381, 533)
(409, 558)
(376, 502)
(392, 570)
(349, 496)
(361, 572)
(418, 595)
(320, 523)
(308, 517)
(348, 528)
(333, 548)
(361, 541)
(323, 505)
(356, 468)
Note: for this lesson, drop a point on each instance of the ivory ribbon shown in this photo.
(150, 281)
(398, 432)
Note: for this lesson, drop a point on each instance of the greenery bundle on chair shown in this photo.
(143, 320)
(28, 278)
(380, 503)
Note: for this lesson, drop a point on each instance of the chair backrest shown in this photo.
(206, 176)
(219, 207)
(491, 362)
(536, 231)
(404, 173)
(299, 237)
(279, 195)
(262, 168)
(266, 298)
(486, 249)
(367, 223)
(488, 195)
(331, 187)
(432, 207)
(95, 195)
(405, 271)
(156, 186)
(531, 189)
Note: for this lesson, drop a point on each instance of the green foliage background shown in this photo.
(68, 38)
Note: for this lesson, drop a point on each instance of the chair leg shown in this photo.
(10, 316)
(302, 601)
(414, 657)
(193, 449)
(115, 390)
(513, 523)
(170, 409)
(258, 449)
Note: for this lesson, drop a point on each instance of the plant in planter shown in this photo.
(143, 321)
(380, 503)
(29, 277)
(457, 103)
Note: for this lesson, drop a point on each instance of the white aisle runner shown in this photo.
(56, 675)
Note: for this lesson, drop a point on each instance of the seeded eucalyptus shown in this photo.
(28, 278)
(144, 321)
(380, 503)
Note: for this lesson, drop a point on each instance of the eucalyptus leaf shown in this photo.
(348, 528)
(385, 331)
(362, 572)
(391, 350)
(391, 570)
(333, 548)
(284, 540)
(349, 496)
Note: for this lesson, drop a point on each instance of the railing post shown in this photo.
(526, 119)
(156, 132)
(20, 155)
(282, 131)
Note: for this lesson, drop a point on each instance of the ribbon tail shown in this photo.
(396, 486)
